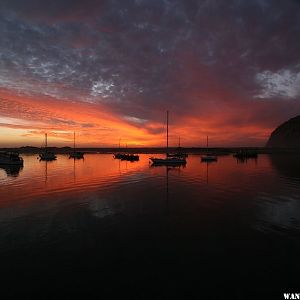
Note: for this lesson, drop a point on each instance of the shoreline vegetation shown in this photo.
(152, 150)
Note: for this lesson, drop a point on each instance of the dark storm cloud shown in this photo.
(141, 57)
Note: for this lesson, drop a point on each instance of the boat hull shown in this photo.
(178, 155)
(77, 155)
(209, 158)
(47, 156)
(128, 157)
(168, 161)
(11, 158)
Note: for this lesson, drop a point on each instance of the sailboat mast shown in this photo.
(207, 142)
(46, 144)
(167, 132)
(74, 142)
(179, 142)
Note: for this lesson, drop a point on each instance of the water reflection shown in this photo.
(280, 211)
(288, 165)
(137, 223)
(207, 165)
(243, 160)
(11, 170)
(167, 170)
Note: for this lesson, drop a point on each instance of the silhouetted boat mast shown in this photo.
(47, 154)
(76, 154)
(170, 159)
(208, 157)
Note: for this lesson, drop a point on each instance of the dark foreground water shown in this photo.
(103, 227)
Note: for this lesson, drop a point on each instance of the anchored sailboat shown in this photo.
(208, 157)
(47, 154)
(76, 154)
(174, 160)
(126, 156)
(179, 152)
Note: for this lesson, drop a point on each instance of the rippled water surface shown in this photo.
(101, 225)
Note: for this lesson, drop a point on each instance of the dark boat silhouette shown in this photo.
(10, 158)
(76, 154)
(179, 152)
(126, 156)
(169, 160)
(47, 154)
(208, 157)
(129, 157)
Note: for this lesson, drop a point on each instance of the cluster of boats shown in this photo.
(49, 155)
(172, 159)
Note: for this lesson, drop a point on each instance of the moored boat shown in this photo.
(10, 158)
(169, 160)
(46, 153)
(127, 156)
(179, 153)
(172, 161)
(76, 154)
(208, 157)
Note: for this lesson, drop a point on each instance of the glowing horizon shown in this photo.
(110, 70)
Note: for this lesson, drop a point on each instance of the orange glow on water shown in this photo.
(99, 172)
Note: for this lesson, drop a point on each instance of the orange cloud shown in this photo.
(94, 124)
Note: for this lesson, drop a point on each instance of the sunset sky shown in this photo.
(110, 69)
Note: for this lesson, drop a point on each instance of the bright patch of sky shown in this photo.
(284, 84)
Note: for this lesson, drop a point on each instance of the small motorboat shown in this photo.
(10, 158)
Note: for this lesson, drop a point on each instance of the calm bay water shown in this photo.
(101, 225)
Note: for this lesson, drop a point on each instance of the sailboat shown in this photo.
(76, 154)
(179, 152)
(47, 154)
(118, 155)
(174, 160)
(208, 157)
(126, 156)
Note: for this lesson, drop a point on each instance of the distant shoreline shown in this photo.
(145, 150)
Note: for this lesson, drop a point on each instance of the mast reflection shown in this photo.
(168, 169)
(207, 164)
